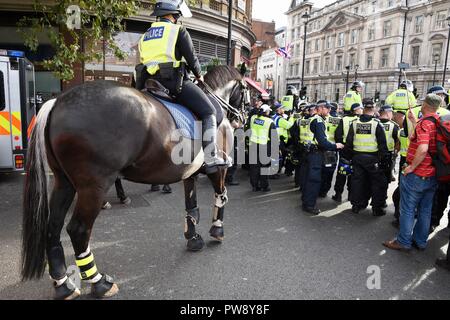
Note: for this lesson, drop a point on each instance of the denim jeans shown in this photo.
(417, 199)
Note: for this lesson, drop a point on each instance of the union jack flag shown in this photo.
(285, 52)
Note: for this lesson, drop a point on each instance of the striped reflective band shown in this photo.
(88, 269)
(10, 123)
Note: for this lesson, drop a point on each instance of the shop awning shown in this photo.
(255, 86)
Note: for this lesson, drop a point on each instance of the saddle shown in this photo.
(155, 88)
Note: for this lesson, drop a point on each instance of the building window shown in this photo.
(299, 30)
(387, 26)
(418, 26)
(369, 60)
(415, 52)
(389, 3)
(316, 66)
(437, 51)
(384, 58)
(214, 5)
(371, 33)
(292, 70)
(327, 64)
(317, 46)
(297, 50)
(354, 36)
(308, 47)
(338, 63)
(297, 69)
(356, 10)
(329, 42)
(307, 63)
(441, 16)
(341, 39)
(351, 61)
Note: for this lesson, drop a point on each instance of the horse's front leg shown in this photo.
(194, 240)
(220, 199)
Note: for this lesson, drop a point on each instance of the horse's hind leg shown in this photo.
(194, 240)
(86, 211)
(221, 198)
(60, 201)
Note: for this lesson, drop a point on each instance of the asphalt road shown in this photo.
(272, 250)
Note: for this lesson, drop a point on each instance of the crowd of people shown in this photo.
(362, 142)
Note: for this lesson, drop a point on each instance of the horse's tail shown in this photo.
(35, 202)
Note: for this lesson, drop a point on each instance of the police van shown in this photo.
(17, 108)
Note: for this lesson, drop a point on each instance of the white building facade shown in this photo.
(362, 40)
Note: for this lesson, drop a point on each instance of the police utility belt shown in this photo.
(167, 71)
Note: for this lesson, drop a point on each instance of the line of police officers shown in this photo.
(363, 144)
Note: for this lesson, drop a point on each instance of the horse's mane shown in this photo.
(219, 76)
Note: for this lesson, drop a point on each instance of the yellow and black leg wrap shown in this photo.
(88, 269)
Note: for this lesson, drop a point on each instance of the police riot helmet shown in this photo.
(437, 90)
(166, 7)
(407, 84)
(292, 91)
(357, 84)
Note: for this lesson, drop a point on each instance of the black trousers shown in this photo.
(257, 180)
(440, 202)
(312, 178)
(327, 179)
(339, 185)
(368, 181)
(191, 96)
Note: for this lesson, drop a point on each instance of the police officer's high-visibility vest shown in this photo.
(346, 121)
(282, 126)
(332, 124)
(365, 139)
(306, 135)
(404, 143)
(288, 103)
(350, 98)
(158, 44)
(260, 127)
(401, 99)
(389, 130)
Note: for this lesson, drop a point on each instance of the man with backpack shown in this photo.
(419, 182)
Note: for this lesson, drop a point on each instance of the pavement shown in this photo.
(272, 250)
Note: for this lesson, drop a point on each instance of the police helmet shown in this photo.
(437, 90)
(334, 106)
(324, 103)
(407, 84)
(357, 84)
(166, 7)
(368, 103)
(292, 91)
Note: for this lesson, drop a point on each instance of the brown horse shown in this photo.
(88, 137)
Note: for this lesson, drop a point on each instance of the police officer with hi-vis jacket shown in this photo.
(354, 95)
(162, 50)
(403, 98)
(392, 138)
(340, 135)
(332, 121)
(366, 146)
(313, 136)
(263, 135)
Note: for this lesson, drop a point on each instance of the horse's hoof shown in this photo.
(104, 288)
(66, 291)
(106, 206)
(196, 243)
(216, 233)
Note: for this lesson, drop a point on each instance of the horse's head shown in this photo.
(227, 83)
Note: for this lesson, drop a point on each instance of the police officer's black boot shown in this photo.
(209, 143)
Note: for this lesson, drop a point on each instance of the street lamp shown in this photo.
(446, 54)
(436, 58)
(305, 17)
(346, 79)
(356, 72)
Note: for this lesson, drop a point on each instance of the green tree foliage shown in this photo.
(100, 19)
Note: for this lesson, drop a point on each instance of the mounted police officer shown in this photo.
(290, 100)
(366, 146)
(162, 50)
(343, 175)
(313, 136)
(403, 98)
(354, 95)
